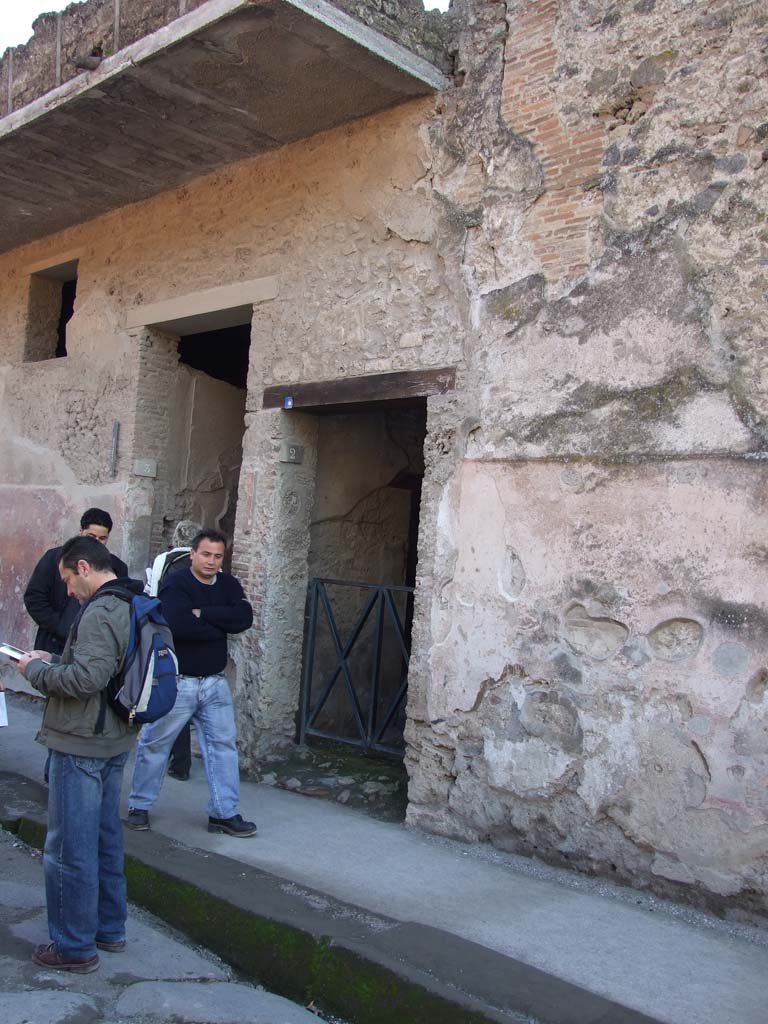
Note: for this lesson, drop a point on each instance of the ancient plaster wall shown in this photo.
(370, 292)
(588, 680)
(205, 451)
(56, 421)
(56, 418)
(359, 527)
(623, 688)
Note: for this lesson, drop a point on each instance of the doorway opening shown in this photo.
(222, 354)
(362, 570)
(357, 501)
(205, 449)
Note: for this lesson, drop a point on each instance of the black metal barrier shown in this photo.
(367, 706)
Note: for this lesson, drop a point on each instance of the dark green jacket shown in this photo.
(74, 685)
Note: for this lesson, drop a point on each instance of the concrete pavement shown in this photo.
(502, 937)
(161, 975)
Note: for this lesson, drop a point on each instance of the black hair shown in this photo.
(95, 517)
(215, 535)
(85, 549)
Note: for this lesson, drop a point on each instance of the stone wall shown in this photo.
(206, 441)
(591, 655)
(55, 457)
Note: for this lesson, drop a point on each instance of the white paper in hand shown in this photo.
(15, 653)
(3, 710)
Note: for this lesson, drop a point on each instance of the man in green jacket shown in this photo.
(89, 745)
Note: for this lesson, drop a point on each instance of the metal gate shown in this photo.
(354, 691)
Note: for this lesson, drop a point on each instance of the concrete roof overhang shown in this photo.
(232, 79)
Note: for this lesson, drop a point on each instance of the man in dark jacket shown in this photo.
(202, 605)
(46, 597)
(88, 746)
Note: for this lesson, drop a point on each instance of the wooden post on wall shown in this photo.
(10, 80)
(58, 48)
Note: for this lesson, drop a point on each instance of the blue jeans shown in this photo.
(207, 702)
(83, 855)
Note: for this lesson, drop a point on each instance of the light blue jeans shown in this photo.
(207, 702)
(83, 855)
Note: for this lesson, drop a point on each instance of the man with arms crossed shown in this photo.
(88, 745)
(202, 605)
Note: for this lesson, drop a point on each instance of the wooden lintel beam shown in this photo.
(377, 387)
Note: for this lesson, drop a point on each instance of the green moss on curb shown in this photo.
(282, 958)
(287, 960)
(28, 830)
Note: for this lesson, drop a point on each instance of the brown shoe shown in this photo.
(46, 956)
(111, 947)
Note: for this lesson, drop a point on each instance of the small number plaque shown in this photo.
(291, 452)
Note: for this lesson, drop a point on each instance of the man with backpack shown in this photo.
(175, 559)
(89, 745)
(203, 605)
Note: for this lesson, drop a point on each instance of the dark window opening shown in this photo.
(222, 354)
(51, 306)
(68, 292)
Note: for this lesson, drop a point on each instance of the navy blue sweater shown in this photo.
(201, 643)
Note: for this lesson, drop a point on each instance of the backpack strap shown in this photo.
(112, 590)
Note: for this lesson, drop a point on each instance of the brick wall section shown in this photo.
(557, 227)
(157, 367)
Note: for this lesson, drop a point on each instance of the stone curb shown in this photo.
(312, 948)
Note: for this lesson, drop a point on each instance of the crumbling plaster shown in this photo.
(606, 449)
(56, 418)
(324, 215)
(359, 527)
(205, 449)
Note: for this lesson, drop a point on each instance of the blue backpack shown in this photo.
(145, 687)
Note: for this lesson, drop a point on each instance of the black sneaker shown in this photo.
(137, 820)
(234, 826)
(178, 773)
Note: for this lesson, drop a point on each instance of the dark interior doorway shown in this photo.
(222, 354)
(68, 293)
(362, 567)
(50, 308)
(207, 426)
